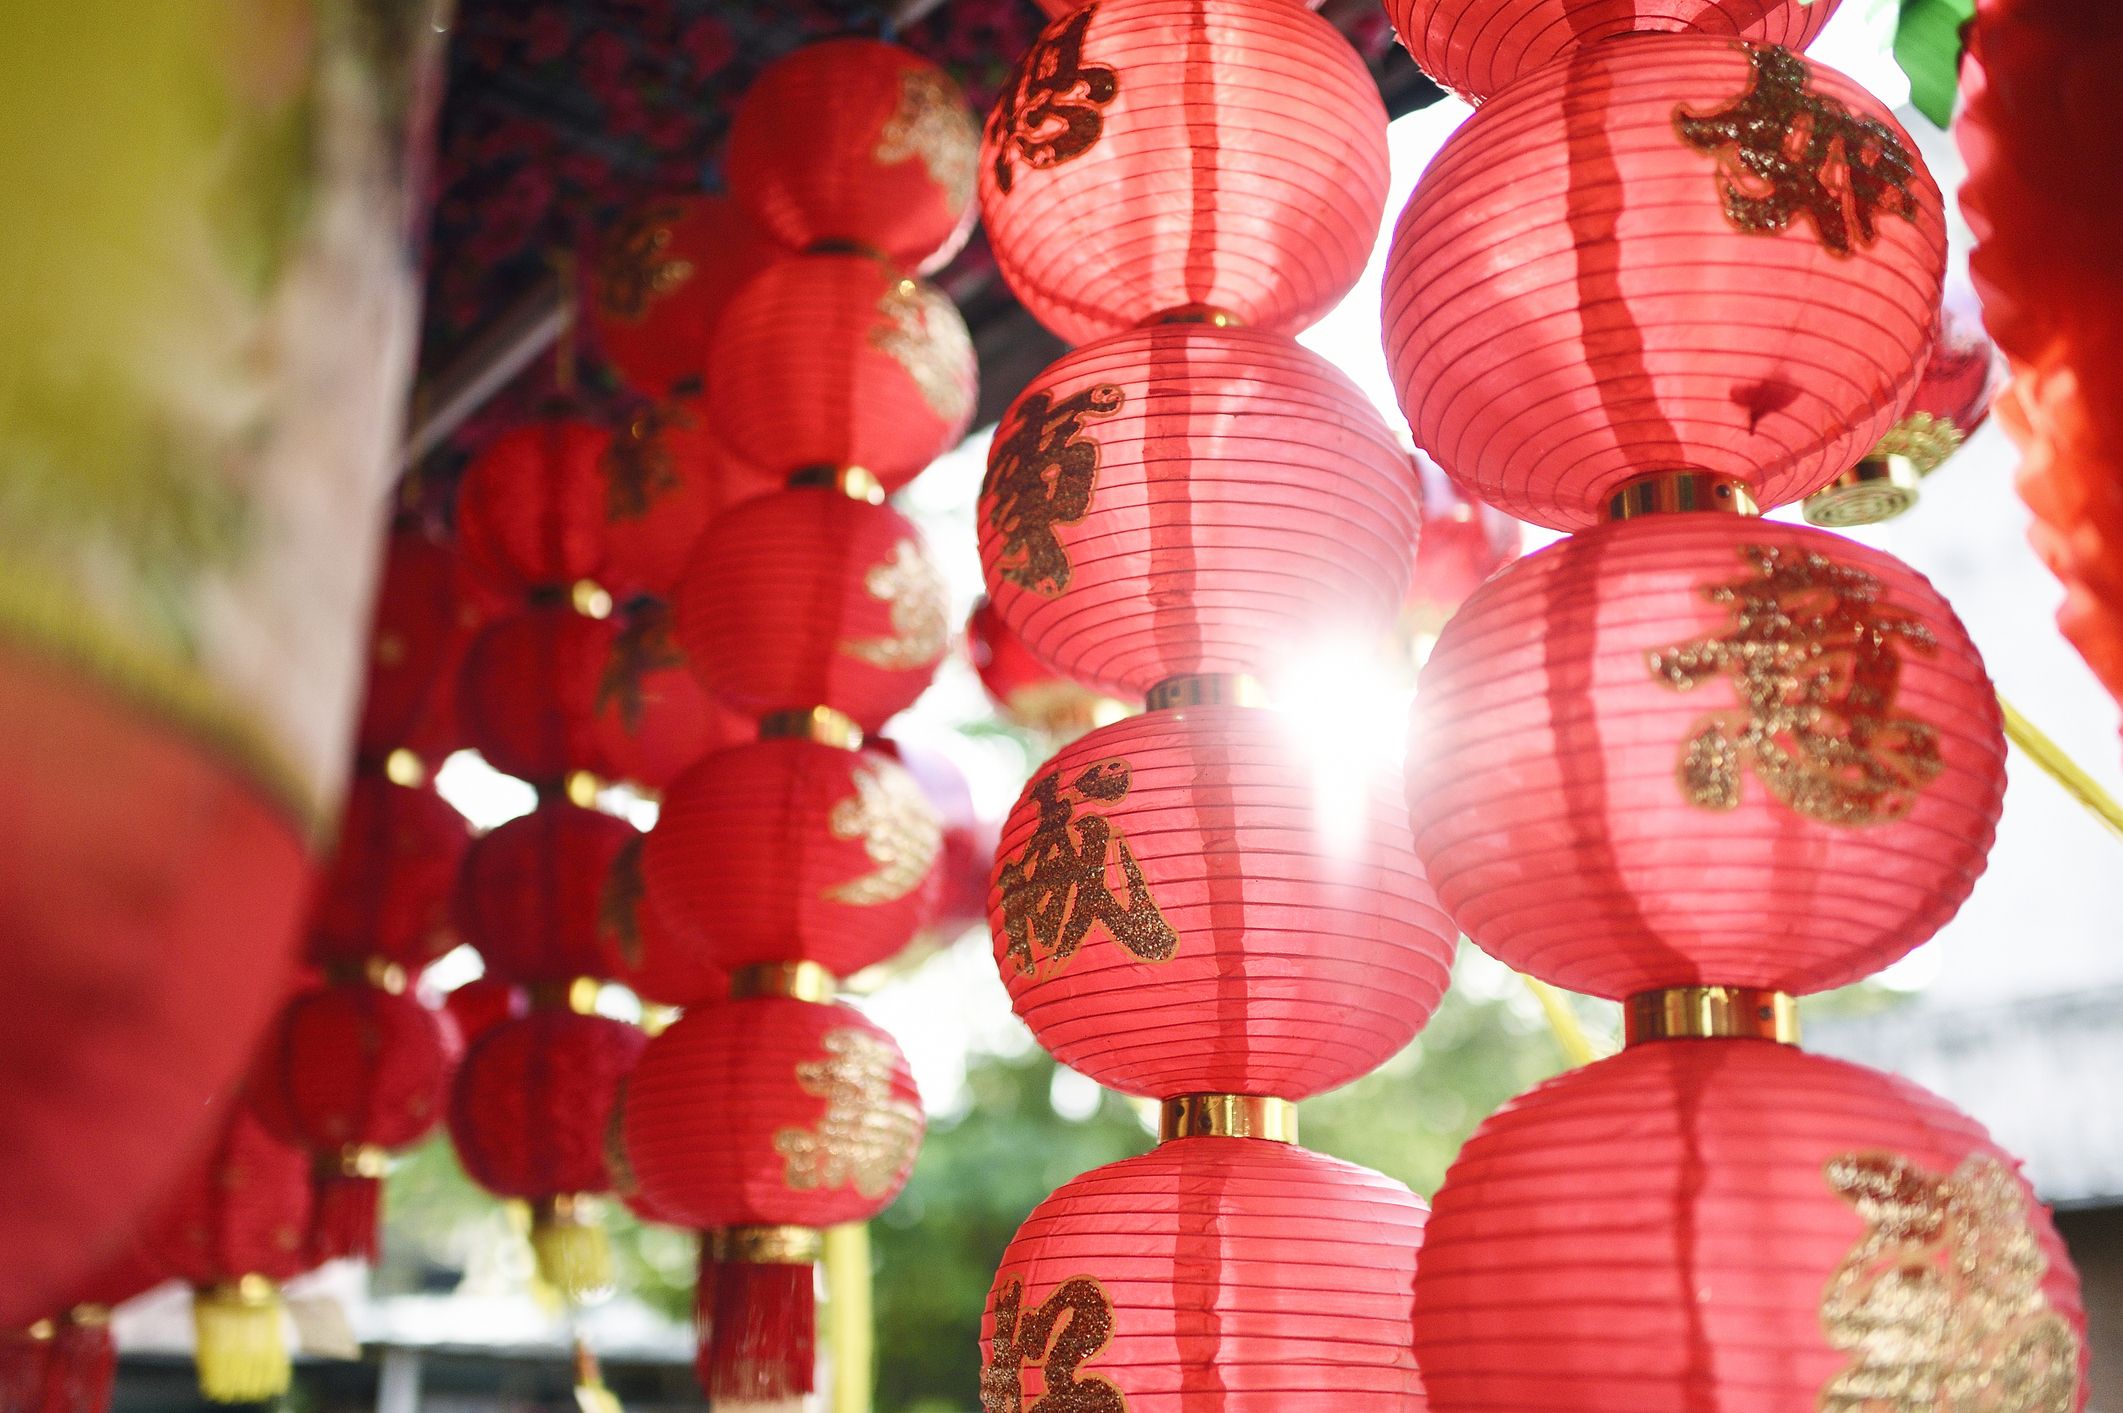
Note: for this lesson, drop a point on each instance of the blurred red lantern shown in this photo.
(68, 1362)
(1630, 262)
(1186, 499)
(1463, 543)
(479, 1005)
(1210, 1272)
(387, 894)
(1704, 748)
(959, 893)
(417, 634)
(1476, 48)
(658, 280)
(642, 952)
(809, 598)
(234, 1230)
(529, 692)
(1175, 911)
(1028, 691)
(831, 360)
(1734, 1223)
(768, 1118)
(350, 1073)
(1224, 157)
(856, 142)
(528, 1114)
(653, 716)
(789, 849)
(531, 893)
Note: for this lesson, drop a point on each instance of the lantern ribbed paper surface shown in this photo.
(1463, 543)
(1026, 690)
(417, 632)
(1210, 1273)
(347, 1066)
(1735, 1224)
(1175, 911)
(653, 716)
(1159, 155)
(1188, 499)
(531, 1101)
(841, 360)
(1960, 376)
(1704, 748)
(641, 951)
(770, 1111)
(658, 281)
(387, 893)
(789, 850)
(529, 691)
(530, 509)
(857, 142)
(242, 1210)
(1619, 265)
(1477, 47)
(808, 598)
(531, 893)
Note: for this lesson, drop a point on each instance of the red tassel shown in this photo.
(704, 1307)
(82, 1368)
(762, 1334)
(343, 1223)
(24, 1356)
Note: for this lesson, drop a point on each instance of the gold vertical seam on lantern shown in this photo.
(1206, 689)
(820, 723)
(798, 981)
(769, 1246)
(1228, 1116)
(1711, 1012)
(1683, 490)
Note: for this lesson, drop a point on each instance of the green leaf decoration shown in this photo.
(1927, 44)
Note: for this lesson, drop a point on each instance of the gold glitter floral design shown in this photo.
(1816, 664)
(1068, 1329)
(933, 123)
(637, 268)
(899, 831)
(920, 609)
(1924, 440)
(1052, 109)
(1056, 889)
(1940, 1304)
(867, 1136)
(1041, 473)
(923, 333)
(1786, 152)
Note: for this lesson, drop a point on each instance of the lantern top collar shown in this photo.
(1681, 490)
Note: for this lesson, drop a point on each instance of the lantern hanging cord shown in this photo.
(1569, 1032)
(2061, 768)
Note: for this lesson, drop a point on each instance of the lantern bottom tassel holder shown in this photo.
(758, 1340)
(59, 1366)
(242, 1353)
(348, 1192)
(574, 1254)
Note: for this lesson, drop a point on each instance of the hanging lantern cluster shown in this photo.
(1692, 760)
(67, 1362)
(1174, 512)
(770, 1110)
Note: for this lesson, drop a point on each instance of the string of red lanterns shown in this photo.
(1692, 760)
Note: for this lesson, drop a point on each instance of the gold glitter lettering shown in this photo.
(1049, 111)
(920, 607)
(1041, 473)
(867, 1137)
(899, 831)
(1056, 890)
(933, 123)
(924, 334)
(1072, 1326)
(637, 268)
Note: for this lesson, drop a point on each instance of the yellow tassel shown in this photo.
(242, 1355)
(574, 1257)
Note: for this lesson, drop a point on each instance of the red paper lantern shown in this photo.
(234, 1229)
(1464, 542)
(387, 895)
(1029, 692)
(642, 952)
(1704, 749)
(350, 1073)
(1152, 156)
(1476, 48)
(419, 631)
(658, 280)
(531, 894)
(1187, 499)
(479, 1005)
(1057, 8)
(787, 850)
(830, 360)
(1175, 912)
(855, 142)
(528, 1114)
(809, 598)
(1617, 266)
(653, 717)
(529, 691)
(1210, 1272)
(959, 895)
(1736, 1224)
(68, 1363)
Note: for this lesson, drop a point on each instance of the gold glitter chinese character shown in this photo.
(1068, 1329)
(637, 466)
(1816, 665)
(921, 622)
(1041, 473)
(619, 902)
(642, 647)
(1925, 440)
(1048, 113)
(1940, 1304)
(637, 268)
(1785, 151)
(1056, 890)
(924, 335)
(933, 123)
(866, 1137)
(899, 831)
